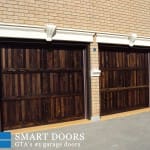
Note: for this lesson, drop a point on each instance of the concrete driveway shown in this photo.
(128, 133)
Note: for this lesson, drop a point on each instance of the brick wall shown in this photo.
(94, 64)
(119, 16)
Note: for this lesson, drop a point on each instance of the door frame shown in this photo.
(1, 102)
(149, 75)
(85, 78)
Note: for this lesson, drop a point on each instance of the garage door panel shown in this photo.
(124, 79)
(12, 113)
(118, 78)
(41, 85)
(31, 110)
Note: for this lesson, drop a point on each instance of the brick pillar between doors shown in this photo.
(94, 86)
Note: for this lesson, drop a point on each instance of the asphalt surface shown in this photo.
(128, 133)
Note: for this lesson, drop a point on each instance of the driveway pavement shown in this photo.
(128, 133)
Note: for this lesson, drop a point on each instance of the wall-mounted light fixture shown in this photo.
(132, 39)
(95, 72)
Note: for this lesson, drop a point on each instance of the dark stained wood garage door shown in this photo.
(124, 81)
(41, 84)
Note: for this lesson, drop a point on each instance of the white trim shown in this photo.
(48, 33)
(142, 42)
(121, 39)
(149, 74)
(112, 39)
(71, 35)
(22, 31)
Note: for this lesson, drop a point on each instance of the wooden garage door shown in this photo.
(41, 84)
(124, 80)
